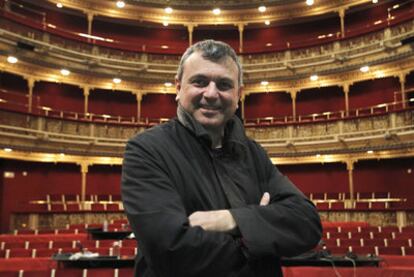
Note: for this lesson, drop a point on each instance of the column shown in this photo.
(190, 28)
(139, 100)
(241, 29)
(346, 93)
(401, 77)
(30, 84)
(242, 99)
(84, 171)
(86, 91)
(293, 94)
(90, 21)
(350, 168)
(342, 18)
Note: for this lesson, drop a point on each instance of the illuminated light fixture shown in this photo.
(165, 23)
(395, 6)
(268, 44)
(64, 72)
(377, 22)
(374, 1)
(106, 116)
(364, 68)
(62, 154)
(120, 4)
(411, 100)
(117, 80)
(12, 59)
(51, 26)
(370, 152)
(314, 77)
(318, 155)
(264, 83)
(59, 5)
(216, 11)
(262, 9)
(168, 84)
(267, 22)
(164, 46)
(95, 37)
(168, 10)
(310, 2)
(7, 149)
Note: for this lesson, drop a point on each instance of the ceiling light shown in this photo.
(309, 2)
(64, 72)
(314, 77)
(267, 22)
(59, 5)
(375, 1)
(216, 11)
(262, 9)
(168, 84)
(268, 44)
(364, 68)
(7, 149)
(168, 10)
(264, 83)
(370, 152)
(165, 23)
(120, 4)
(12, 59)
(164, 46)
(318, 155)
(117, 80)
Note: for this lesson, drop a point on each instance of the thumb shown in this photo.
(265, 199)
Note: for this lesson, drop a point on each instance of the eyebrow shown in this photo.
(219, 79)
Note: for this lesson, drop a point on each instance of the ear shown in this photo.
(239, 94)
(177, 89)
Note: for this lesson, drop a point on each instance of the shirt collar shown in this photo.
(234, 141)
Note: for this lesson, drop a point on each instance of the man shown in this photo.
(202, 198)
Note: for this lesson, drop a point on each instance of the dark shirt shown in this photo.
(170, 171)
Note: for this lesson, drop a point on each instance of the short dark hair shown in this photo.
(211, 50)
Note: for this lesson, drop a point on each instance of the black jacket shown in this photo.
(170, 172)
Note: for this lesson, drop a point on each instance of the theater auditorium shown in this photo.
(328, 93)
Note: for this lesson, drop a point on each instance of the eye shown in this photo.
(224, 85)
(200, 82)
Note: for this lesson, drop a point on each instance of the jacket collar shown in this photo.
(234, 141)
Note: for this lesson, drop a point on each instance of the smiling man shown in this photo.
(201, 197)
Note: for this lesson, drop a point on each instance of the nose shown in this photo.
(211, 91)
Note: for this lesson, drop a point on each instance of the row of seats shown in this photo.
(41, 207)
(71, 272)
(63, 198)
(337, 242)
(46, 252)
(58, 244)
(347, 196)
(372, 250)
(368, 235)
(367, 205)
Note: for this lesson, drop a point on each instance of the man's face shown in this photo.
(209, 91)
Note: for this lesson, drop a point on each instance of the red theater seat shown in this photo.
(45, 252)
(73, 207)
(112, 207)
(19, 253)
(97, 207)
(389, 250)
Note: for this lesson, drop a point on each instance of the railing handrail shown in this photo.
(147, 48)
(251, 122)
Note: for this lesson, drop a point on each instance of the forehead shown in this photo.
(197, 65)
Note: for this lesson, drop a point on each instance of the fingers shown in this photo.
(265, 199)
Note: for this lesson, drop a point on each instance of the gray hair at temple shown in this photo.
(211, 50)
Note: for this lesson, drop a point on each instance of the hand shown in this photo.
(215, 221)
(265, 199)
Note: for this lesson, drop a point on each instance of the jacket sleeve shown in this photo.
(160, 223)
(288, 226)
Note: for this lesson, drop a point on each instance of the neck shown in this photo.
(216, 137)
